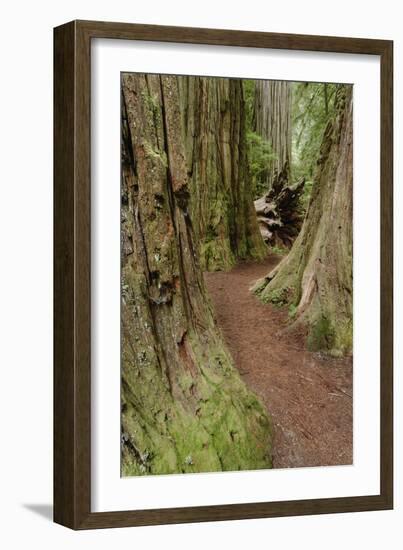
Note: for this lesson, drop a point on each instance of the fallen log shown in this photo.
(279, 212)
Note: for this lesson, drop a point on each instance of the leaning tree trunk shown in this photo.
(184, 406)
(316, 277)
(221, 202)
(272, 121)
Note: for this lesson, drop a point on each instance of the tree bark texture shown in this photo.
(272, 121)
(184, 405)
(221, 196)
(315, 279)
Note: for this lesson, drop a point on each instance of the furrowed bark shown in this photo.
(221, 199)
(315, 279)
(272, 121)
(184, 406)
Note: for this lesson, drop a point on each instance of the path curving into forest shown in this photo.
(308, 396)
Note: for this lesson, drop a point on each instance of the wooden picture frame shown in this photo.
(72, 296)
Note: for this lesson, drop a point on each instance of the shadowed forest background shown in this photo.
(236, 225)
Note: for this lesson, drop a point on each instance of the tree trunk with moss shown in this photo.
(184, 405)
(221, 194)
(315, 279)
(272, 121)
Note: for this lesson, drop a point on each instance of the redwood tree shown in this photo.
(272, 121)
(184, 405)
(315, 279)
(221, 194)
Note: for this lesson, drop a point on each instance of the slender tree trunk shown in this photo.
(272, 121)
(184, 406)
(316, 277)
(221, 202)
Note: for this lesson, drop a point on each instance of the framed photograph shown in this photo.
(222, 274)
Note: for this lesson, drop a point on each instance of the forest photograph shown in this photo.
(236, 274)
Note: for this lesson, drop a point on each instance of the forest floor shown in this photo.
(308, 395)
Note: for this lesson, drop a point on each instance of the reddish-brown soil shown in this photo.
(308, 395)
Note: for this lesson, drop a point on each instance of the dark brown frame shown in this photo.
(72, 320)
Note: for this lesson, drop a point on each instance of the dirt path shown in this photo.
(308, 396)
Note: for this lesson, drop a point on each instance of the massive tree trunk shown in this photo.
(316, 277)
(272, 121)
(221, 204)
(184, 406)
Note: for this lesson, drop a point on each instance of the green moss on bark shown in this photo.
(315, 279)
(221, 191)
(184, 405)
(217, 422)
